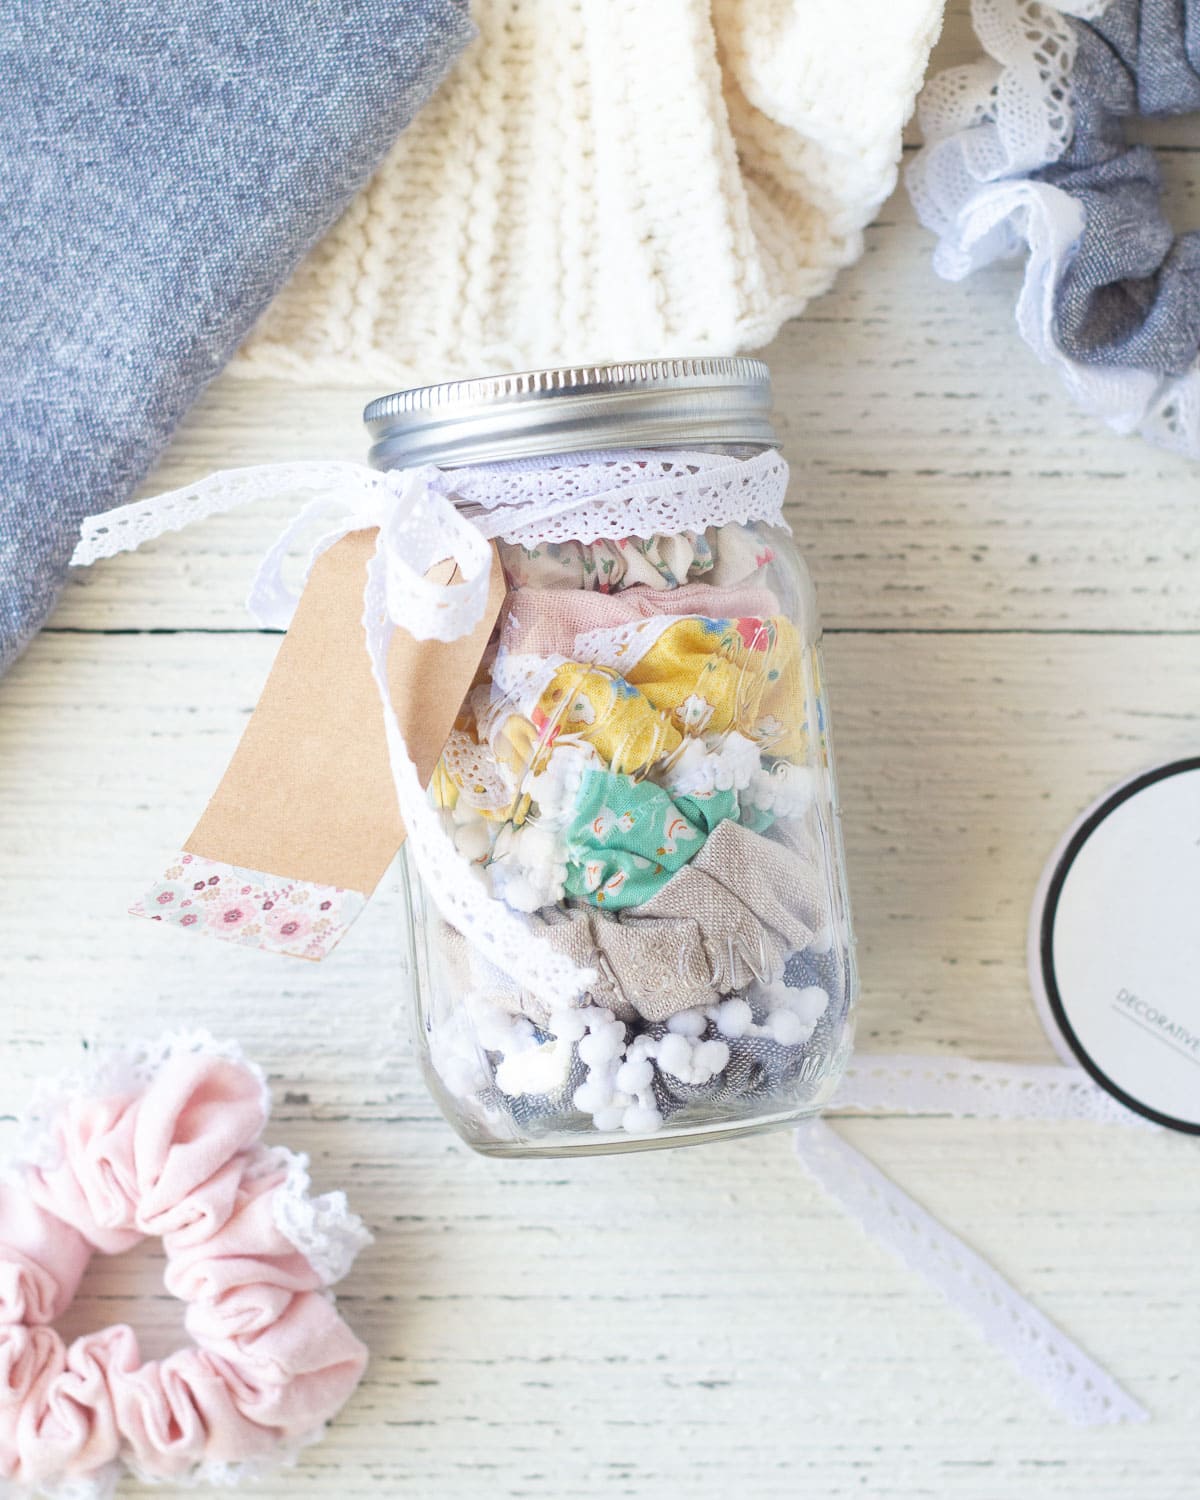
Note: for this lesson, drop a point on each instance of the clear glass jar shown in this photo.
(643, 770)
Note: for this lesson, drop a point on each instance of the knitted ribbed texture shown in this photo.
(615, 180)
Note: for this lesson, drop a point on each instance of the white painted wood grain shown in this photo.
(941, 478)
(685, 1322)
(1015, 624)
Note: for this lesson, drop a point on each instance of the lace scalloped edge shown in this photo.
(324, 1228)
(214, 1474)
(983, 205)
(1045, 1355)
(100, 1485)
(712, 490)
(113, 1070)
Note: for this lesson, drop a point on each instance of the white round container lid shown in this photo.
(1114, 944)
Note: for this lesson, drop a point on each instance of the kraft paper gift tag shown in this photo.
(305, 822)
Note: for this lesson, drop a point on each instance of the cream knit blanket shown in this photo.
(610, 179)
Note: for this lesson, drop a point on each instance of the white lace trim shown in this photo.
(113, 1070)
(969, 1089)
(482, 780)
(497, 933)
(519, 678)
(217, 1474)
(998, 118)
(622, 646)
(1042, 1353)
(966, 1088)
(604, 496)
(986, 126)
(99, 1485)
(612, 496)
(324, 1229)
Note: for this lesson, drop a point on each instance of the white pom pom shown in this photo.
(708, 1059)
(591, 1096)
(519, 893)
(810, 1003)
(610, 1117)
(787, 1028)
(687, 1023)
(635, 1077)
(675, 1056)
(473, 840)
(770, 994)
(539, 846)
(599, 1047)
(734, 1018)
(539, 1070)
(461, 1075)
(568, 1024)
(499, 1032)
(641, 1119)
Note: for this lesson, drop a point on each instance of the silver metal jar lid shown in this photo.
(678, 403)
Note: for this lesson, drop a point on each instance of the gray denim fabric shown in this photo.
(164, 164)
(759, 1069)
(1131, 293)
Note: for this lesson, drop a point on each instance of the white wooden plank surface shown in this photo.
(1014, 624)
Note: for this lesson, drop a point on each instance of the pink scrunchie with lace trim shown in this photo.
(165, 1142)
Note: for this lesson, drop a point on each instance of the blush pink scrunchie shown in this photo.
(165, 1141)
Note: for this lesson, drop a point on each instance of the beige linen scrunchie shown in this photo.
(611, 179)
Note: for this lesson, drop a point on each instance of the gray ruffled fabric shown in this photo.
(164, 165)
(1131, 294)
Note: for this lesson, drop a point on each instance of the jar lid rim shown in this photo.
(695, 402)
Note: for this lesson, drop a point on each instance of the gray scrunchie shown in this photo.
(1130, 295)
(1027, 151)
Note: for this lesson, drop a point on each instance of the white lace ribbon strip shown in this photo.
(964, 1088)
(425, 516)
(968, 1089)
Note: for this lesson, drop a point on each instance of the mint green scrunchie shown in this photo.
(627, 838)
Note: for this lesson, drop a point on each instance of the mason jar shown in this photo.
(641, 771)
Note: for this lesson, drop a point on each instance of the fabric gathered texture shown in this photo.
(1029, 151)
(165, 1142)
